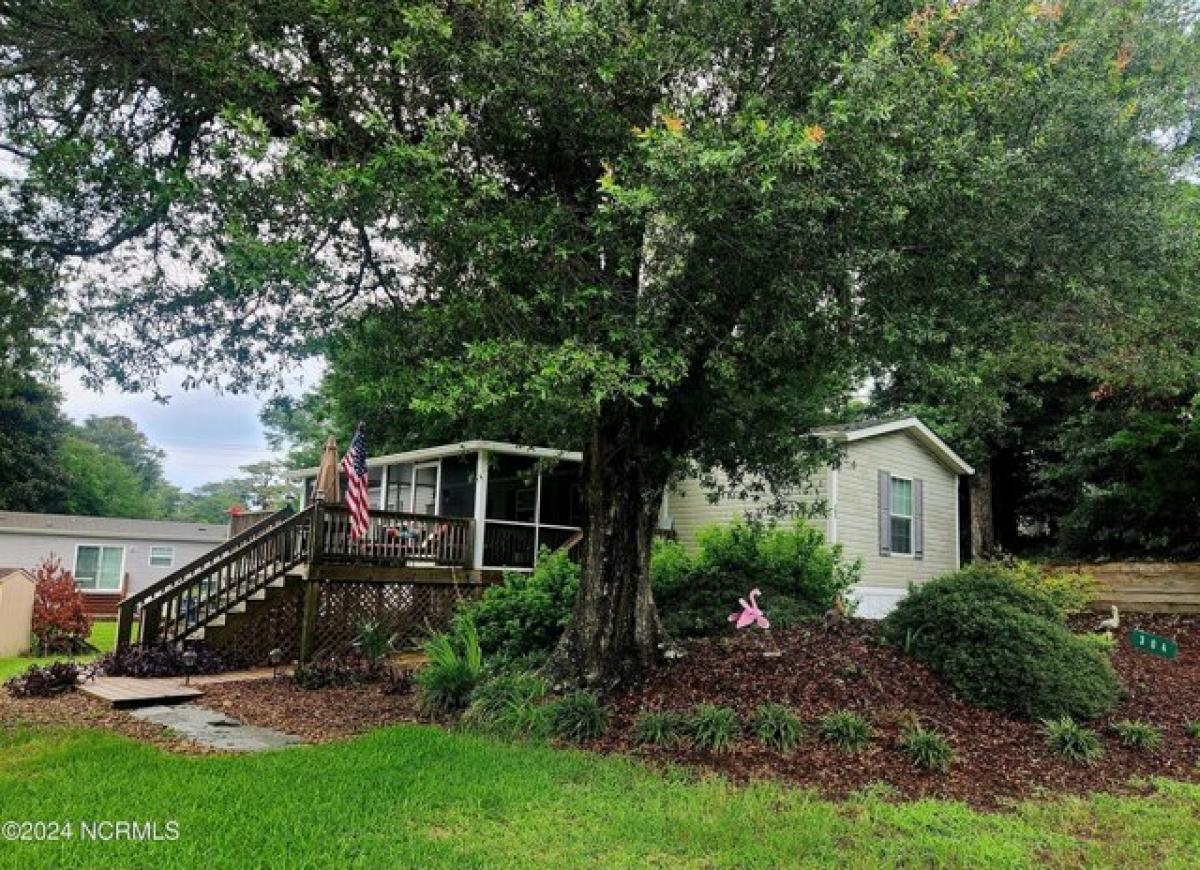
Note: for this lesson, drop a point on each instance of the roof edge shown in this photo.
(455, 449)
(922, 432)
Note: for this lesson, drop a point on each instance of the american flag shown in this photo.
(354, 464)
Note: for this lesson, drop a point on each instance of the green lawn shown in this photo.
(419, 796)
(103, 637)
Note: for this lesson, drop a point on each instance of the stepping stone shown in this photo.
(213, 729)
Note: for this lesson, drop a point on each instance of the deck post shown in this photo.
(478, 527)
(308, 619)
(124, 626)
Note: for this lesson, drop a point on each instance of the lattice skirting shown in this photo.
(273, 622)
(410, 610)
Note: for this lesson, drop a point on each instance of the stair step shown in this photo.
(216, 620)
(258, 595)
(237, 607)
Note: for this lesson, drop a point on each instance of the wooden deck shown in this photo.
(125, 692)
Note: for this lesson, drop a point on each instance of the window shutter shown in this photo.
(885, 513)
(918, 522)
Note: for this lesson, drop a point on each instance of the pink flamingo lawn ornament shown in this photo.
(751, 613)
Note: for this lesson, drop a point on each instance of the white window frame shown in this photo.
(120, 573)
(909, 516)
(170, 558)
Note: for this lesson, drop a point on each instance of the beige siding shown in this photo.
(690, 510)
(854, 522)
(857, 509)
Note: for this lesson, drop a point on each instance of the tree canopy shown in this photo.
(673, 233)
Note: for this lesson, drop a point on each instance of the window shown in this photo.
(162, 557)
(902, 515)
(99, 568)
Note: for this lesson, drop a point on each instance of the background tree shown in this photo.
(32, 429)
(260, 487)
(671, 232)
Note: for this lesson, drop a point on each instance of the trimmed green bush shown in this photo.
(926, 748)
(524, 616)
(1003, 647)
(846, 730)
(1071, 741)
(446, 681)
(776, 726)
(577, 716)
(660, 728)
(1138, 735)
(798, 573)
(713, 728)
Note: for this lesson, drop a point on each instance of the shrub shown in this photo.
(713, 728)
(1001, 646)
(1071, 741)
(660, 728)
(332, 672)
(1101, 643)
(846, 730)
(1138, 735)
(43, 682)
(448, 678)
(374, 641)
(927, 749)
(1068, 591)
(525, 615)
(797, 572)
(508, 703)
(577, 716)
(60, 620)
(163, 660)
(776, 726)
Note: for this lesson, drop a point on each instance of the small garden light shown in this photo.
(189, 662)
(275, 657)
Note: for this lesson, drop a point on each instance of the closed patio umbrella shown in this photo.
(327, 482)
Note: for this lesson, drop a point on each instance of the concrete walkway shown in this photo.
(213, 729)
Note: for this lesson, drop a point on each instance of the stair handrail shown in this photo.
(252, 566)
(129, 607)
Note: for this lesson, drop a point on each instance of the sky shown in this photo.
(206, 435)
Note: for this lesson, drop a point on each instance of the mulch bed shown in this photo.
(317, 715)
(998, 758)
(76, 710)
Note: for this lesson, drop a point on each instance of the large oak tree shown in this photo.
(674, 230)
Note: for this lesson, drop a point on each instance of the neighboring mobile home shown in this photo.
(110, 558)
(892, 502)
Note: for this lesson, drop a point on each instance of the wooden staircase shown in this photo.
(201, 594)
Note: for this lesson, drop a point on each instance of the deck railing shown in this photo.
(197, 593)
(395, 538)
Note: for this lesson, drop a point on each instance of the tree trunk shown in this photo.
(614, 632)
(983, 538)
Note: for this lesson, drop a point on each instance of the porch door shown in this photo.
(425, 488)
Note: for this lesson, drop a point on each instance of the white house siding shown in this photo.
(27, 551)
(690, 510)
(853, 520)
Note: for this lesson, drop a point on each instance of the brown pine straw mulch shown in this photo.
(998, 757)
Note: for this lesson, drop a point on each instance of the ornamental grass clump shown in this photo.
(926, 748)
(713, 728)
(452, 671)
(777, 727)
(1138, 735)
(509, 704)
(846, 730)
(1192, 727)
(577, 716)
(666, 728)
(1071, 741)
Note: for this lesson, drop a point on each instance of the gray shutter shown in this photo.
(885, 513)
(918, 523)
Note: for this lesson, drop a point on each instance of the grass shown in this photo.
(103, 637)
(420, 796)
